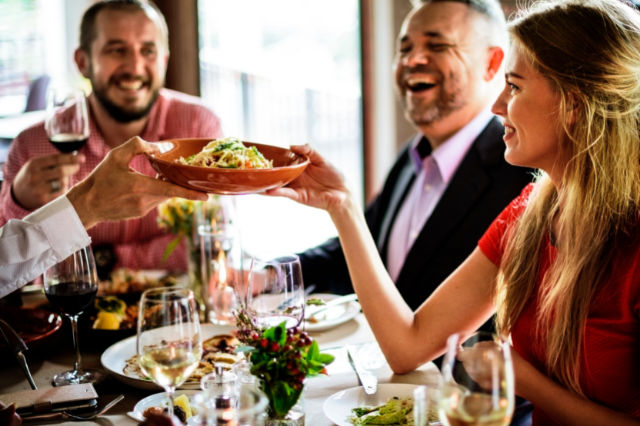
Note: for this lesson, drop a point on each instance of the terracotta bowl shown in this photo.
(36, 326)
(286, 167)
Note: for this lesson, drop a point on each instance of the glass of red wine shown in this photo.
(67, 120)
(71, 286)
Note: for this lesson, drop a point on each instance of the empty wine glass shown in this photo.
(71, 286)
(478, 381)
(275, 292)
(169, 342)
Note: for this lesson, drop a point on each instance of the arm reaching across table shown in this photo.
(113, 191)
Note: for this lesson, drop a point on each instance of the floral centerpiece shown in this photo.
(181, 217)
(282, 358)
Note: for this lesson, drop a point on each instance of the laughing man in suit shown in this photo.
(451, 181)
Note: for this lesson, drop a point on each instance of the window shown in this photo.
(285, 72)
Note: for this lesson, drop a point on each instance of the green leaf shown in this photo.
(326, 359)
(171, 247)
(315, 302)
(277, 333)
(256, 367)
(313, 352)
(240, 349)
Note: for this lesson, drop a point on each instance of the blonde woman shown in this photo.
(560, 264)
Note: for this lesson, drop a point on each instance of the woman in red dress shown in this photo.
(560, 264)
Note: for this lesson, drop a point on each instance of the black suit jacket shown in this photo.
(480, 189)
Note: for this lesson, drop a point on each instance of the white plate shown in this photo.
(332, 317)
(338, 406)
(114, 358)
(156, 400)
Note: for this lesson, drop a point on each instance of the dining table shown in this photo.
(58, 356)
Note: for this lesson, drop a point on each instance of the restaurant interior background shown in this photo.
(279, 72)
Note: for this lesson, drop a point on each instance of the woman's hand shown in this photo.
(320, 186)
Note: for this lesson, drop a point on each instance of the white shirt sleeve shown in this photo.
(29, 246)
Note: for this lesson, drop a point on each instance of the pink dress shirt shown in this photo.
(138, 243)
(433, 174)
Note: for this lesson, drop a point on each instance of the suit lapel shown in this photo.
(466, 186)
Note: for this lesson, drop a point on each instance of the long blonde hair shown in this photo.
(589, 51)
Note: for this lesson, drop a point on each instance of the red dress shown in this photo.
(610, 360)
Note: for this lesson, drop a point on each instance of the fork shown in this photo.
(63, 415)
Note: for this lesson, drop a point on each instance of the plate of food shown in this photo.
(121, 359)
(158, 403)
(392, 404)
(331, 317)
(226, 166)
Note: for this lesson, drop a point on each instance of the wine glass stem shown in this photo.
(74, 329)
(170, 390)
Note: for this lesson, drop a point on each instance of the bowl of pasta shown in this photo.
(226, 166)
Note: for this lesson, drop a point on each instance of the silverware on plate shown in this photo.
(310, 311)
(17, 345)
(367, 378)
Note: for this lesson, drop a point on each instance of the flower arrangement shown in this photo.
(282, 359)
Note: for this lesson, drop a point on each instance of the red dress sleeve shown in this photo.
(492, 243)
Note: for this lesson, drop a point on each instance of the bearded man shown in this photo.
(451, 180)
(123, 52)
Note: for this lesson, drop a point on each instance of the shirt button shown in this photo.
(414, 235)
(427, 188)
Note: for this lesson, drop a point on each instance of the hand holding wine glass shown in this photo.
(71, 285)
(478, 381)
(275, 291)
(169, 340)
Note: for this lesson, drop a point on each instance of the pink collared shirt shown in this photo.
(434, 173)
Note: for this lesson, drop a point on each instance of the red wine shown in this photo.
(68, 142)
(73, 297)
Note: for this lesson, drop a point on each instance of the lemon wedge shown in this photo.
(183, 402)
(106, 321)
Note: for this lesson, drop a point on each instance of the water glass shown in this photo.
(242, 407)
(478, 381)
(276, 291)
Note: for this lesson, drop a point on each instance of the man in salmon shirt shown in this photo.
(123, 52)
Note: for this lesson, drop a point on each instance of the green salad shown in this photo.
(397, 411)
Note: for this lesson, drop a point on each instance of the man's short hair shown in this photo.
(490, 10)
(88, 24)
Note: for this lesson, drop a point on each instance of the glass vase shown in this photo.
(295, 416)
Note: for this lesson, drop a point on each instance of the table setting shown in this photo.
(238, 340)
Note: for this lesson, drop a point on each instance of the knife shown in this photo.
(367, 378)
(17, 345)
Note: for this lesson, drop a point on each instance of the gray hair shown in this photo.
(488, 9)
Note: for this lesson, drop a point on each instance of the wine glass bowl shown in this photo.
(67, 119)
(478, 381)
(71, 286)
(275, 291)
(169, 342)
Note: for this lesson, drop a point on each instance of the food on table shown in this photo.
(397, 411)
(228, 153)
(125, 280)
(181, 409)
(106, 321)
(218, 349)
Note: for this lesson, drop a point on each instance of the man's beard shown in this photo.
(118, 113)
(446, 103)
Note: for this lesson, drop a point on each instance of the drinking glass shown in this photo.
(169, 341)
(71, 286)
(478, 381)
(275, 292)
(222, 271)
(241, 407)
(67, 120)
